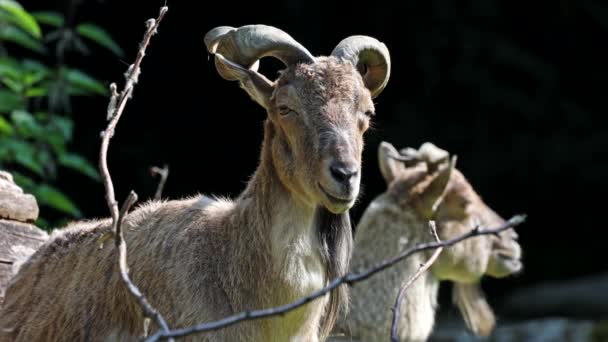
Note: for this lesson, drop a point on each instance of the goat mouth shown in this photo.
(513, 263)
(334, 199)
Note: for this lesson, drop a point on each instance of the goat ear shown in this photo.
(255, 84)
(432, 194)
(389, 167)
(474, 308)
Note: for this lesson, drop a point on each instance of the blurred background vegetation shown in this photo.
(39, 78)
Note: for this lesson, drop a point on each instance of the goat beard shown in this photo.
(336, 240)
(475, 310)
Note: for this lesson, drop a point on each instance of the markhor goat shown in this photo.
(198, 260)
(425, 186)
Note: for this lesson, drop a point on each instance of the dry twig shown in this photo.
(350, 279)
(115, 109)
(423, 268)
(163, 173)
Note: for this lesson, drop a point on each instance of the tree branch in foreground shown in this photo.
(423, 268)
(350, 279)
(115, 109)
(163, 173)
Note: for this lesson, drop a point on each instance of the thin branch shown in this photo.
(423, 268)
(350, 279)
(115, 109)
(163, 173)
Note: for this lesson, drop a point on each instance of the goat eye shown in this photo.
(284, 110)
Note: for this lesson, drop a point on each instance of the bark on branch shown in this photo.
(423, 268)
(115, 109)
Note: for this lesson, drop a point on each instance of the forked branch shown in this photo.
(423, 268)
(115, 109)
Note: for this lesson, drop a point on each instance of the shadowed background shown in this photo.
(516, 90)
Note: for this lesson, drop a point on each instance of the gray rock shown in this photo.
(17, 242)
(14, 204)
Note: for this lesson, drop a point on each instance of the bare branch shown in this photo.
(163, 173)
(423, 268)
(350, 279)
(115, 108)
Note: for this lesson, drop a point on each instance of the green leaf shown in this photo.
(36, 92)
(10, 68)
(25, 154)
(33, 65)
(64, 125)
(9, 101)
(32, 78)
(15, 35)
(21, 18)
(49, 18)
(80, 79)
(34, 72)
(13, 85)
(52, 197)
(56, 141)
(100, 36)
(26, 124)
(5, 127)
(78, 163)
(42, 223)
(26, 183)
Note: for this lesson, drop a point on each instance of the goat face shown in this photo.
(318, 109)
(425, 186)
(424, 182)
(319, 112)
(460, 211)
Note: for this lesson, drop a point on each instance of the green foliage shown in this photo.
(13, 13)
(35, 120)
(100, 36)
(50, 18)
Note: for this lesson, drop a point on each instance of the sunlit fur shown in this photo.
(397, 220)
(199, 260)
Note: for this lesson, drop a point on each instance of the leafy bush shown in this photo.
(35, 111)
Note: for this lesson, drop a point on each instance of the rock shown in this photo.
(7, 185)
(17, 242)
(18, 207)
(6, 176)
(14, 204)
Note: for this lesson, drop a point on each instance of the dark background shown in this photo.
(515, 89)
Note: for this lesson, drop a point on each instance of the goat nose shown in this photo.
(342, 172)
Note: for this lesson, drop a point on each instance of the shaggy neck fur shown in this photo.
(303, 247)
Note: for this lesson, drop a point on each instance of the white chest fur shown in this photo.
(296, 251)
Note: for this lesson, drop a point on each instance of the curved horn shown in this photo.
(371, 58)
(246, 45)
